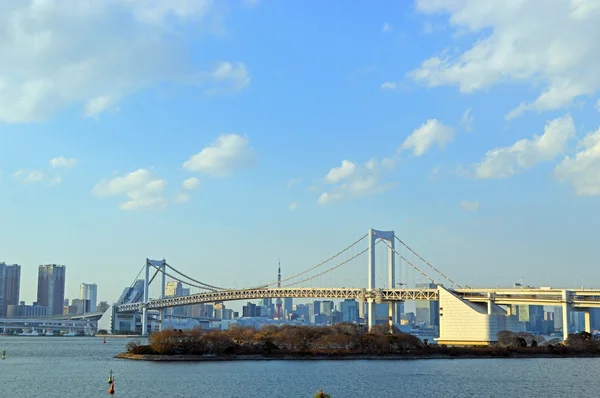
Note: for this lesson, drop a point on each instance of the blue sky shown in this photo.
(468, 128)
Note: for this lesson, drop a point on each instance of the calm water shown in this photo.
(78, 367)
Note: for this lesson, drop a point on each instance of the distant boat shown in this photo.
(32, 333)
(49, 333)
(70, 334)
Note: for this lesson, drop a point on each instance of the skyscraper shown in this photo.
(51, 287)
(10, 283)
(89, 292)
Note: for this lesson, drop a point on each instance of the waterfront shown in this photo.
(78, 367)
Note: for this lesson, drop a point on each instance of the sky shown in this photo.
(228, 136)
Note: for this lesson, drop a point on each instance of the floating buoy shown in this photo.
(110, 376)
(112, 386)
(3, 354)
(104, 340)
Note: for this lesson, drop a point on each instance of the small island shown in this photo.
(340, 341)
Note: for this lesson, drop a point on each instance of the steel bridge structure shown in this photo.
(568, 299)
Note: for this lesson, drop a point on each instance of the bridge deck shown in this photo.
(579, 298)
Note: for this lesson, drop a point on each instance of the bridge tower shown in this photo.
(371, 302)
(160, 266)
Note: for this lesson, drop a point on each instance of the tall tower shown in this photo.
(51, 288)
(278, 310)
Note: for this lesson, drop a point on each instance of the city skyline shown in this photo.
(244, 134)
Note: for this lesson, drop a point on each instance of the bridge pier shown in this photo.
(587, 320)
(566, 313)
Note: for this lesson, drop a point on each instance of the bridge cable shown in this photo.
(316, 266)
(188, 283)
(328, 270)
(193, 280)
(425, 261)
(138, 275)
(405, 259)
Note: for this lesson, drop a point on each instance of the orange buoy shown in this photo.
(111, 390)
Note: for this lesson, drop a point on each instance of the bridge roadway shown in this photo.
(578, 298)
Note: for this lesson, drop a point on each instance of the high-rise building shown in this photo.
(173, 289)
(89, 292)
(51, 287)
(12, 284)
(349, 310)
(288, 306)
(428, 312)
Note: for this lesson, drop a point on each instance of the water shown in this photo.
(78, 367)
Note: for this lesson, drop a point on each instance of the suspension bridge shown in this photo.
(467, 314)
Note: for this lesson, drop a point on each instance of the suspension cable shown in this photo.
(328, 270)
(318, 265)
(425, 261)
(138, 275)
(193, 280)
(405, 259)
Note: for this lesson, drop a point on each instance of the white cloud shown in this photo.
(181, 198)
(63, 162)
(598, 105)
(386, 28)
(230, 152)
(469, 206)
(525, 153)
(190, 184)
(143, 190)
(293, 182)
(337, 174)
(388, 86)
(57, 179)
(229, 77)
(293, 206)
(526, 42)
(467, 120)
(57, 54)
(582, 171)
(29, 176)
(429, 133)
(350, 180)
(97, 105)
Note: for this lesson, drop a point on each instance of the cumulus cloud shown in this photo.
(229, 153)
(388, 86)
(428, 134)
(351, 180)
(469, 206)
(582, 171)
(29, 176)
(142, 189)
(190, 184)
(520, 41)
(57, 54)
(526, 153)
(62, 162)
(337, 174)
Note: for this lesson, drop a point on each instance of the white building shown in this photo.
(465, 323)
(89, 292)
